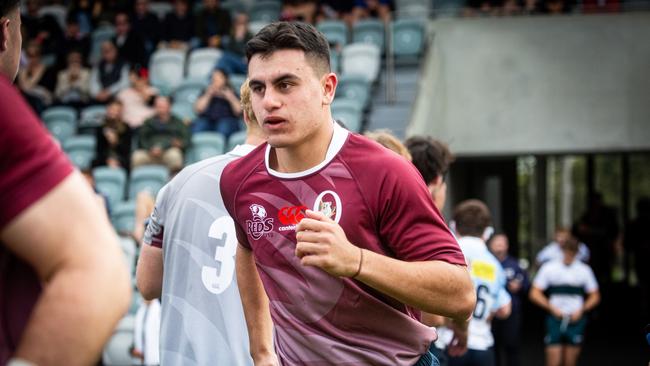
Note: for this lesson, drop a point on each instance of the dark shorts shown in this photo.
(428, 359)
(474, 358)
(558, 332)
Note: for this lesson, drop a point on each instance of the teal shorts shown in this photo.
(563, 332)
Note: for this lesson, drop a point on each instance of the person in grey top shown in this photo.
(188, 260)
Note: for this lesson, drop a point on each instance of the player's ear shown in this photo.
(4, 34)
(329, 83)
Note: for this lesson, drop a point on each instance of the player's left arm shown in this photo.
(149, 272)
(592, 300)
(433, 286)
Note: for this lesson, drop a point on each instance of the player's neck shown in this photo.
(305, 155)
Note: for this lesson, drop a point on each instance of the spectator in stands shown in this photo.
(130, 45)
(212, 23)
(102, 199)
(389, 141)
(162, 139)
(82, 12)
(73, 40)
(553, 251)
(109, 76)
(567, 282)
(555, 7)
(336, 9)
(138, 98)
(233, 60)
(104, 11)
(45, 30)
(432, 159)
(178, 26)
(372, 9)
(299, 10)
(218, 107)
(146, 25)
(114, 138)
(73, 82)
(507, 332)
(36, 80)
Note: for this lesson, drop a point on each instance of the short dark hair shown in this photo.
(8, 5)
(431, 157)
(471, 217)
(291, 35)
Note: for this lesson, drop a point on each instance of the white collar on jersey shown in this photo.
(338, 139)
(241, 150)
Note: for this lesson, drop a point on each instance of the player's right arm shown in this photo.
(67, 238)
(256, 309)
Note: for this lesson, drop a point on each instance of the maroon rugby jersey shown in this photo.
(30, 166)
(382, 204)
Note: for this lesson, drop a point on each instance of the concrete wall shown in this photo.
(537, 85)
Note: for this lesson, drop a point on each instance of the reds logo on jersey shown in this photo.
(260, 224)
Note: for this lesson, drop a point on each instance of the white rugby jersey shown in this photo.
(566, 284)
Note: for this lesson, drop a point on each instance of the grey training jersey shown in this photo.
(202, 320)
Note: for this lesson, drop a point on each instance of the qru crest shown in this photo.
(329, 204)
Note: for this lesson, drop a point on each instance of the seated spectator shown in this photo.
(146, 25)
(233, 60)
(73, 40)
(212, 23)
(162, 139)
(45, 30)
(114, 137)
(371, 9)
(35, 79)
(109, 76)
(104, 11)
(178, 27)
(130, 45)
(337, 10)
(82, 12)
(73, 82)
(218, 107)
(300, 10)
(138, 98)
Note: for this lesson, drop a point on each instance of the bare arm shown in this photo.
(432, 286)
(149, 272)
(504, 311)
(203, 101)
(86, 287)
(537, 297)
(256, 309)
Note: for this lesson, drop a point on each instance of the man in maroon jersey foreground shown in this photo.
(63, 283)
(340, 233)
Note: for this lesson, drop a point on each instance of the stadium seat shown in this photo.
(205, 145)
(354, 87)
(99, 36)
(189, 91)
(123, 217)
(349, 112)
(58, 12)
(361, 59)
(161, 9)
(147, 178)
(419, 11)
(335, 31)
(408, 39)
(236, 80)
(129, 249)
(183, 110)
(111, 182)
(265, 11)
(369, 31)
(335, 61)
(118, 349)
(201, 63)
(80, 150)
(59, 114)
(166, 69)
(237, 138)
(91, 117)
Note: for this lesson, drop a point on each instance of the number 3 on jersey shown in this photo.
(218, 280)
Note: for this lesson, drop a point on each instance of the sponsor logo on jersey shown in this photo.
(483, 270)
(291, 215)
(329, 204)
(260, 224)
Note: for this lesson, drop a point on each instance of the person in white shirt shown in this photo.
(553, 251)
(567, 282)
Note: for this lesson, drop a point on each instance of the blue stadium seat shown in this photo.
(166, 69)
(354, 87)
(201, 63)
(183, 110)
(236, 80)
(408, 39)
(147, 178)
(237, 138)
(369, 31)
(335, 31)
(123, 216)
(61, 129)
(335, 61)
(206, 145)
(189, 91)
(265, 11)
(111, 182)
(91, 118)
(80, 150)
(161, 9)
(361, 59)
(350, 112)
(59, 114)
(99, 36)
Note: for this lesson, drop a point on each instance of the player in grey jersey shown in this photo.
(188, 260)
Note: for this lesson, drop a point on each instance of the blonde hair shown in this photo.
(246, 105)
(389, 141)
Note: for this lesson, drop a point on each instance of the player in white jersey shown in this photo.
(472, 226)
(566, 282)
(553, 251)
(188, 260)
